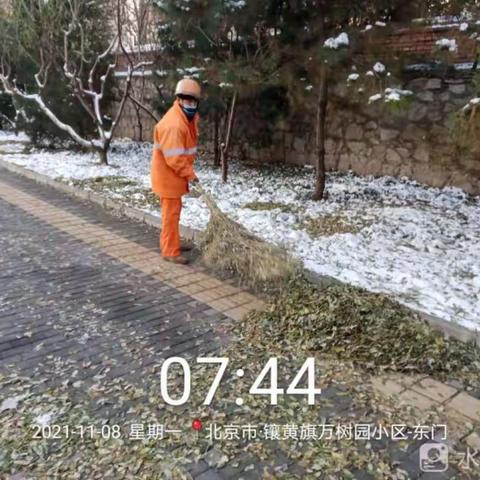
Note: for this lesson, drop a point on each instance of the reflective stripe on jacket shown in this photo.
(174, 150)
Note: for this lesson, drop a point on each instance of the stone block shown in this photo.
(356, 147)
(438, 391)
(435, 116)
(387, 386)
(444, 97)
(422, 154)
(466, 405)
(375, 166)
(417, 400)
(432, 175)
(372, 137)
(390, 170)
(361, 165)
(433, 84)
(344, 162)
(360, 119)
(449, 108)
(458, 89)
(412, 132)
(354, 132)
(473, 441)
(330, 161)
(393, 158)
(470, 186)
(406, 170)
(387, 134)
(299, 144)
(469, 164)
(403, 152)
(417, 113)
(425, 96)
(417, 84)
(331, 145)
(422, 173)
(378, 152)
(460, 102)
(295, 157)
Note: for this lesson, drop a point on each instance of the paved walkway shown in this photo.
(85, 290)
(64, 262)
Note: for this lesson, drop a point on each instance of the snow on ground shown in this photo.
(420, 244)
(6, 136)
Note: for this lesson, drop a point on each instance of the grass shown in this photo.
(269, 206)
(115, 185)
(333, 224)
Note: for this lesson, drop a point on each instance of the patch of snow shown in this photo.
(471, 103)
(392, 97)
(396, 94)
(44, 419)
(146, 47)
(463, 26)
(369, 74)
(374, 98)
(421, 245)
(463, 66)
(447, 43)
(445, 26)
(11, 403)
(352, 77)
(380, 24)
(379, 67)
(335, 42)
(135, 73)
(8, 136)
(235, 4)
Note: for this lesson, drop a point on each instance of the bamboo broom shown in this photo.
(230, 248)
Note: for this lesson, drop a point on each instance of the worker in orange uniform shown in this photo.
(174, 150)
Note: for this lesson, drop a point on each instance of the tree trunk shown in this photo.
(226, 144)
(320, 135)
(216, 158)
(102, 153)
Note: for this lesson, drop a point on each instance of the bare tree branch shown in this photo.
(143, 107)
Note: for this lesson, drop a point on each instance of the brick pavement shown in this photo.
(80, 285)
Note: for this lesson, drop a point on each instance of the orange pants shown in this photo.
(170, 233)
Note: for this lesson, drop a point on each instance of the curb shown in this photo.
(449, 329)
(107, 203)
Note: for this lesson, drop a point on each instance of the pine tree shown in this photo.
(225, 44)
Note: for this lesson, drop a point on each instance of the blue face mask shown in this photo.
(189, 111)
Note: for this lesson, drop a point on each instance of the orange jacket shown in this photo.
(174, 150)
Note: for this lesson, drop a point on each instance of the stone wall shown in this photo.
(415, 142)
(130, 125)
